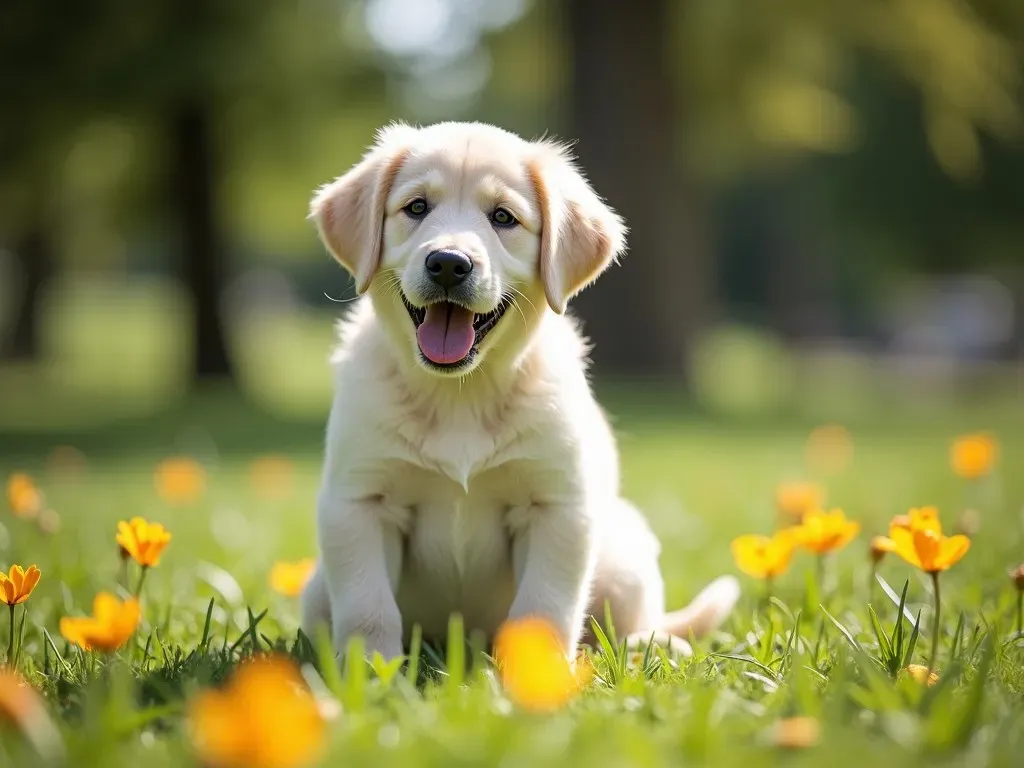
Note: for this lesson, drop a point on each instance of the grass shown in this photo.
(831, 651)
(207, 605)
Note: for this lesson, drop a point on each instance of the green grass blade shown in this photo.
(884, 646)
(456, 652)
(748, 660)
(56, 654)
(412, 672)
(912, 643)
(204, 643)
(896, 599)
(354, 679)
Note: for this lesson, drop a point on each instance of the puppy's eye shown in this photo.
(417, 209)
(502, 218)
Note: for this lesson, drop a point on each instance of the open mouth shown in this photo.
(448, 334)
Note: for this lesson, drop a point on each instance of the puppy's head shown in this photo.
(463, 234)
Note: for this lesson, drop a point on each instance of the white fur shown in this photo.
(493, 493)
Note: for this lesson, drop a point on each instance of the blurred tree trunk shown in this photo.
(644, 316)
(204, 265)
(34, 253)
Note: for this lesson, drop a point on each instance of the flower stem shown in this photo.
(935, 623)
(142, 580)
(1020, 612)
(10, 642)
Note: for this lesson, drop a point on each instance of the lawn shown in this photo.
(208, 604)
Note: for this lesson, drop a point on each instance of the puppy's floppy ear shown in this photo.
(349, 211)
(580, 234)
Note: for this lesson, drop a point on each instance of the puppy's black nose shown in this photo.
(448, 268)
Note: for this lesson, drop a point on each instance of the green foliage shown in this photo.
(841, 664)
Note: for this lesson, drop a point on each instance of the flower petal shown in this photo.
(749, 552)
(105, 608)
(952, 550)
(17, 578)
(77, 631)
(903, 540)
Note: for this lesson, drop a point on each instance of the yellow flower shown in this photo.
(763, 557)
(923, 545)
(17, 585)
(918, 517)
(271, 477)
(143, 541)
(23, 497)
(585, 669)
(973, 456)
(264, 717)
(880, 546)
(796, 733)
(290, 578)
(534, 669)
(797, 499)
(922, 674)
(822, 532)
(829, 448)
(110, 626)
(22, 706)
(180, 480)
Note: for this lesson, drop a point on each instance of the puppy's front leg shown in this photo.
(361, 551)
(554, 557)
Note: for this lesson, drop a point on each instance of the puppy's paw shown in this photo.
(379, 636)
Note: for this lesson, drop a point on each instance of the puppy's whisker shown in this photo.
(515, 305)
(512, 286)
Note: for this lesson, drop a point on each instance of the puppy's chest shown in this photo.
(458, 443)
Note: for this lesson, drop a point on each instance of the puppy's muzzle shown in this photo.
(447, 267)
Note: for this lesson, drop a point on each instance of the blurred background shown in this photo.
(826, 200)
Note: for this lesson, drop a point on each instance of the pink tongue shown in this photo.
(446, 334)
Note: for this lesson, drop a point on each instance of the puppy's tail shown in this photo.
(707, 611)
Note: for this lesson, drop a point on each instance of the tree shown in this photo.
(624, 98)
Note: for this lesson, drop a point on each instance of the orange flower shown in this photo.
(763, 557)
(110, 626)
(23, 707)
(23, 497)
(797, 499)
(534, 669)
(796, 733)
(271, 477)
(264, 717)
(143, 541)
(880, 546)
(17, 585)
(290, 578)
(822, 532)
(920, 517)
(180, 480)
(922, 674)
(829, 448)
(923, 545)
(973, 456)
(18, 700)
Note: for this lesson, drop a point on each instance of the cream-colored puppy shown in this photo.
(468, 467)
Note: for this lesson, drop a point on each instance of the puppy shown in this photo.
(468, 467)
